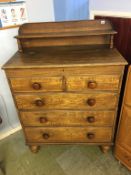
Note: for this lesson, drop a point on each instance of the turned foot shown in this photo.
(34, 148)
(105, 149)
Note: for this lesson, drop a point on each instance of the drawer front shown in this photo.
(67, 101)
(124, 134)
(68, 134)
(68, 118)
(123, 155)
(88, 82)
(38, 84)
(128, 89)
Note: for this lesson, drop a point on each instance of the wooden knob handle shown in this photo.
(43, 119)
(91, 119)
(91, 101)
(90, 135)
(46, 135)
(36, 86)
(0, 120)
(92, 84)
(39, 102)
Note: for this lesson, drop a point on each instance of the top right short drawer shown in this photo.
(96, 82)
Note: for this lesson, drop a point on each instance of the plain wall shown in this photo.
(111, 5)
(41, 10)
(8, 46)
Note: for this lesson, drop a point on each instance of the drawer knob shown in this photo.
(39, 103)
(0, 120)
(90, 135)
(36, 86)
(91, 119)
(92, 84)
(46, 136)
(91, 101)
(43, 119)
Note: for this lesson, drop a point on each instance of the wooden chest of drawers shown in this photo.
(67, 94)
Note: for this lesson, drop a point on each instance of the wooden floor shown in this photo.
(56, 160)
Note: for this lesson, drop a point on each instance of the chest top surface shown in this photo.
(65, 57)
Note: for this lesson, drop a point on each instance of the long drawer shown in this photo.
(66, 101)
(68, 134)
(68, 118)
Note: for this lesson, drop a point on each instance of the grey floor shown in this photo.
(56, 159)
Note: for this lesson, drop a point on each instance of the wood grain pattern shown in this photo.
(65, 57)
(66, 101)
(46, 84)
(124, 137)
(65, 33)
(68, 134)
(80, 40)
(65, 71)
(78, 59)
(73, 83)
(66, 26)
(123, 140)
(127, 97)
(103, 82)
(123, 155)
(67, 118)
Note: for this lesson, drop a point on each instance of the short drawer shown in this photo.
(89, 82)
(68, 118)
(39, 84)
(68, 134)
(66, 101)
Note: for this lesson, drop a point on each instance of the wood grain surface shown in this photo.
(37, 84)
(102, 82)
(65, 57)
(67, 118)
(66, 101)
(68, 134)
(66, 80)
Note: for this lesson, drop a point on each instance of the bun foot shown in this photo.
(105, 149)
(34, 148)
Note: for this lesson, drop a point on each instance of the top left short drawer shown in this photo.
(36, 84)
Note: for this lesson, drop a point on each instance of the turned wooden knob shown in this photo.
(91, 119)
(39, 102)
(36, 86)
(92, 84)
(91, 101)
(90, 135)
(43, 119)
(46, 135)
(0, 120)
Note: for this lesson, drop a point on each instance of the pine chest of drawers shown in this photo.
(66, 93)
